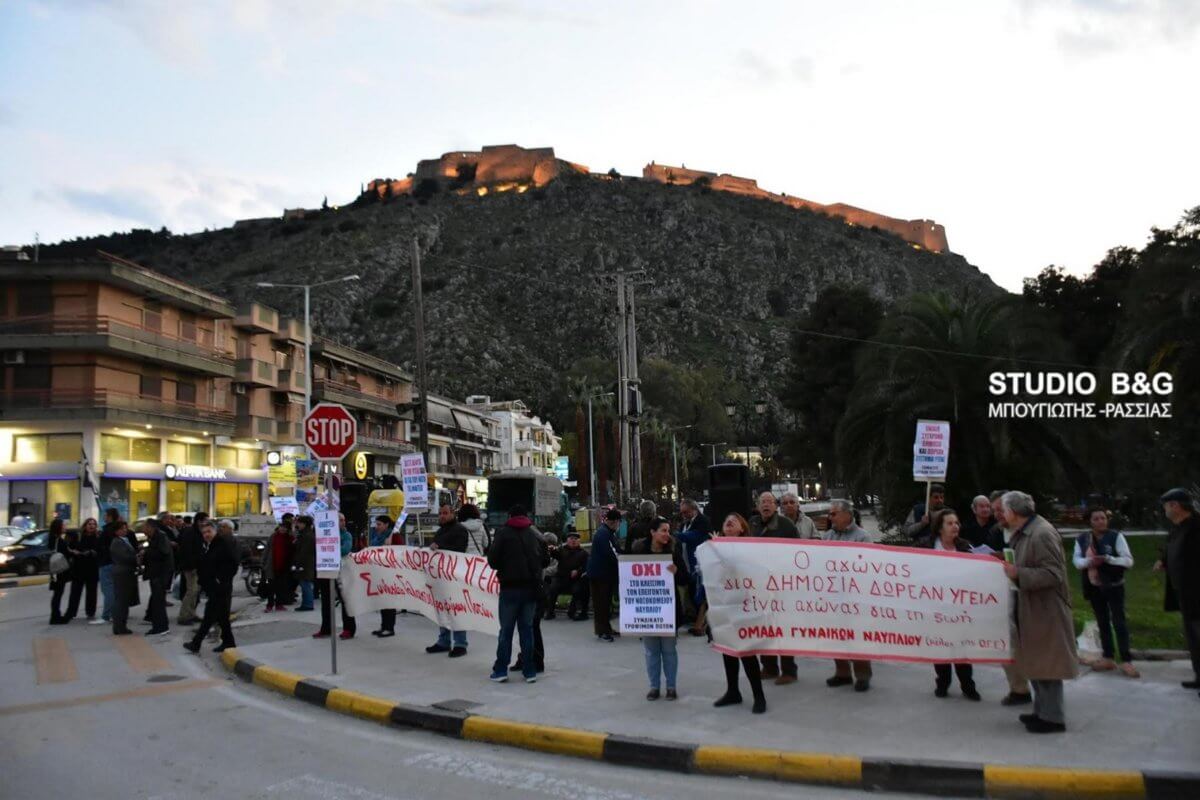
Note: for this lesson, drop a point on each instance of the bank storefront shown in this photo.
(138, 489)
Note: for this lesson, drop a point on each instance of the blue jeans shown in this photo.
(517, 607)
(306, 594)
(661, 656)
(460, 638)
(107, 591)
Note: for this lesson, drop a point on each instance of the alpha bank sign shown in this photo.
(193, 472)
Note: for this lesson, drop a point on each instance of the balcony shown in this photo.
(257, 317)
(252, 427)
(523, 445)
(384, 445)
(109, 335)
(290, 330)
(288, 432)
(290, 380)
(106, 405)
(256, 373)
(352, 395)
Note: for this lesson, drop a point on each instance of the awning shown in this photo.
(470, 423)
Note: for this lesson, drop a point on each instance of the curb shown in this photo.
(33, 580)
(959, 779)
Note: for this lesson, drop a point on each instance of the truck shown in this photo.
(542, 495)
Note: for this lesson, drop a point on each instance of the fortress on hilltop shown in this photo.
(509, 167)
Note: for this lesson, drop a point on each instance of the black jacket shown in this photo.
(639, 531)
(677, 557)
(218, 565)
(991, 535)
(517, 555)
(452, 537)
(159, 560)
(86, 564)
(191, 547)
(1181, 558)
(569, 560)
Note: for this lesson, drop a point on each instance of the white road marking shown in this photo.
(528, 780)
(321, 789)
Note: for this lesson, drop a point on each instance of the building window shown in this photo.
(42, 448)
(234, 499)
(143, 498)
(114, 448)
(185, 392)
(182, 453)
(227, 457)
(62, 500)
(151, 386)
(149, 450)
(187, 497)
(249, 459)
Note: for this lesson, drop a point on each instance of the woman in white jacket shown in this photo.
(478, 538)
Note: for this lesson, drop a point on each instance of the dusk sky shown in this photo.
(1037, 131)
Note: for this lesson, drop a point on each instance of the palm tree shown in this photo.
(931, 360)
(579, 391)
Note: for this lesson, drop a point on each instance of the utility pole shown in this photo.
(623, 483)
(422, 377)
(36, 245)
(631, 362)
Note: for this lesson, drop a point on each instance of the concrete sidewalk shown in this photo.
(1114, 723)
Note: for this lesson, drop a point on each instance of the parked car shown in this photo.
(29, 555)
(9, 534)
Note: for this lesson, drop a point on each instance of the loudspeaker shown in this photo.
(354, 505)
(728, 492)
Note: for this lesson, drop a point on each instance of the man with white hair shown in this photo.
(843, 528)
(1045, 629)
(770, 523)
(790, 505)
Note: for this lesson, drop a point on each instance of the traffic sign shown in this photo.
(330, 432)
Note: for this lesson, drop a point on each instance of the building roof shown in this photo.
(340, 352)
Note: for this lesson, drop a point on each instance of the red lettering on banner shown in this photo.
(650, 569)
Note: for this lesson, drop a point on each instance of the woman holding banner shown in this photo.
(736, 525)
(661, 653)
(944, 528)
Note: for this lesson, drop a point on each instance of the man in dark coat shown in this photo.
(916, 527)
(571, 578)
(770, 523)
(216, 570)
(123, 564)
(451, 536)
(517, 557)
(1181, 560)
(640, 529)
(158, 563)
(602, 573)
(190, 545)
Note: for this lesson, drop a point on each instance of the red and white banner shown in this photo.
(855, 601)
(458, 591)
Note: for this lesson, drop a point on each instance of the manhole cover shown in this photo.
(457, 705)
(164, 678)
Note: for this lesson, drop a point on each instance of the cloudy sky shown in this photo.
(1038, 131)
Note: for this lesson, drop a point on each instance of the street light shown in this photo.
(675, 458)
(714, 446)
(307, 287)
(731, 409)
(591, 447)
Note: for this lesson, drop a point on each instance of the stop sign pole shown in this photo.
(330, 434)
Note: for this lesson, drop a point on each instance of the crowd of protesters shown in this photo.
(534, 572)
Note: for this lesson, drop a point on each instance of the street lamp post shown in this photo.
(592, 449)
(760, 408)
(307, 287)
(675, 459)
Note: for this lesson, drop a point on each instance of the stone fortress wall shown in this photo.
(509, 166)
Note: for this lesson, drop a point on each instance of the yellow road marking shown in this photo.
(140, 655)
(1002, 780)
(53, 661)
(144, 691)
(564, 741)
(781, 765)
(359, 705)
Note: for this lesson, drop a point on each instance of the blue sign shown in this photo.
(562, 468)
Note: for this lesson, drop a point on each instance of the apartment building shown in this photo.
(122, 387)
(527, 443)
(463, 447)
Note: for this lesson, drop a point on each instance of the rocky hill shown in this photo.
(511, 279)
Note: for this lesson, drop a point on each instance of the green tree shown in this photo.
(908, 373)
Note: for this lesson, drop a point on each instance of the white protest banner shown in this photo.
(855, 601)
(284, 505)
(931, 450)
(415, 481)
(329, 544)
(647, 591)
(458, 591)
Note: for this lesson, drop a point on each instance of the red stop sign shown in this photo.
(330, 432)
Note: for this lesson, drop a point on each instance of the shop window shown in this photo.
(227, 457)
(197, 453)
(234, 499)
(62, 500)
(145, 450)
(176, 453)
(183, 453)
(186, 497)
(114, 448)
(249, 459)
(143, 498)
(29, 449)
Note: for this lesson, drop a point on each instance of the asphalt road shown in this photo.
(85, 714)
